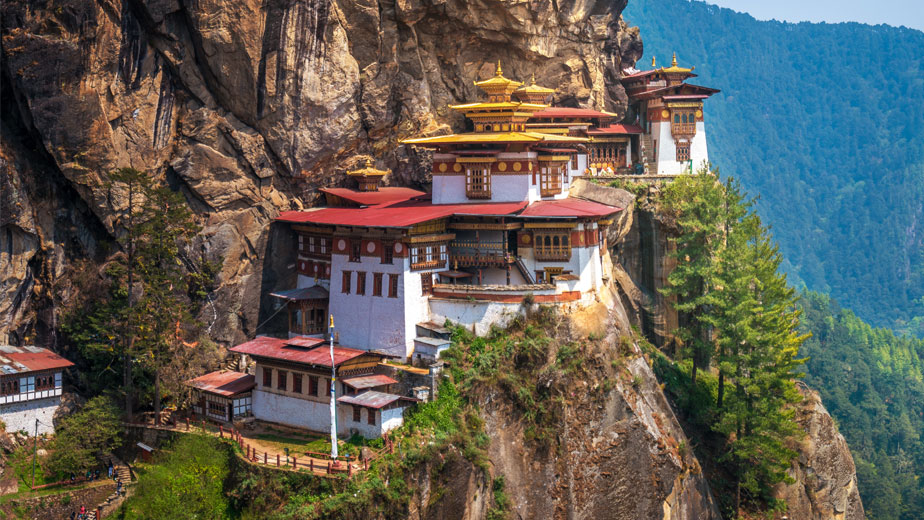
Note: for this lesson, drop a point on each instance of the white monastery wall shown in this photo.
(449, 189)
(698, 151)
(480, 314)
(391, 418)
(364, 321)
(20, 416)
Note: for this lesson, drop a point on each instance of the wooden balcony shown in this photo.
(428, 265)
(472, 253)
(552, 253)
(683, 128)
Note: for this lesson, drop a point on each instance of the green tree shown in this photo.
(696, 201)
(83, 438)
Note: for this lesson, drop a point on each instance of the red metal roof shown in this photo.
(615, 129)
(371, 198)
(399, 214)
(224, 382)
(18, 360)
(373, 399)
(284, 350)
(558, 112)
(567, 208)
(304, 341)
(373, 381)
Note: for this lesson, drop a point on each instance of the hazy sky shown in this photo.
(909, 13)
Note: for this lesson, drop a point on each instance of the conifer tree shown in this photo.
(756, 320)
(697, 202)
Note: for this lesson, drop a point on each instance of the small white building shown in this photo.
(293, 386)
(30, 388)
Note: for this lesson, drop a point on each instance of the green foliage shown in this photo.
(824, 122)
(83, 438)
(872, 383)
(186, 482)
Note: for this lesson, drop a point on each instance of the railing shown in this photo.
(477, 252)
(428, 264)
(552, 253)
(683, 128)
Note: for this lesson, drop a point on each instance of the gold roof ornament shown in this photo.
(368, 177)
(653, 65)
(674, 68)
(533, 93)
(498, 88)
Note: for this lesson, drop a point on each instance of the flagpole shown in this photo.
(333, 395)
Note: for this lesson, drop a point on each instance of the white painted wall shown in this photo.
(378, 322)
(480, 314)
(20, 416)
(450, 189)
(667, 150)
(698, 151)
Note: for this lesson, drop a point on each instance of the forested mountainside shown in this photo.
(872, 382)
(826, 123)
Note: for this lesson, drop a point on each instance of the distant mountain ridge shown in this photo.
(825, 123)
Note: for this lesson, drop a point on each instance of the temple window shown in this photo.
(478, 182)
(281, 379)
(345, 283)
(357, 414)
(370, 416)
(683, 152)
(392, 286)
(297, 383)
(360, 282)
(550, 180)
(267, 377)
(356, 249)
(553, 245)
(428, 256)
(376, 284)
(312, 385)
(388, 252)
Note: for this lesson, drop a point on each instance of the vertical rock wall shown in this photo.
(247, 107)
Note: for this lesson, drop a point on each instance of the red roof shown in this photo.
(560, 112)
(686, 96)
(373, 381)
(615, 129)
(373, 399)
(371, 198)
(224, 382)
(18, 360)
(568, 208)
(284, 350)
(399, 214)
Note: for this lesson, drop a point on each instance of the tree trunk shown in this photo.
(156, 397)
(721, 396)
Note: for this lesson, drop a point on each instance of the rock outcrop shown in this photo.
(825, 485)
(246, 107)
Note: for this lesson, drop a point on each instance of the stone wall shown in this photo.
(21, 416)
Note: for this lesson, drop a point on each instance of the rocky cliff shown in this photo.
(247, 107)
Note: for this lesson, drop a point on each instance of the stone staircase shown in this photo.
(234, 363)
(647, 152)
(121, 472)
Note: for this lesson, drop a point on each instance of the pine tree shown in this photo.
(756, 320)
(697, 202)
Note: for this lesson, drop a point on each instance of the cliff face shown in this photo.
(825, 485)
(247, 106)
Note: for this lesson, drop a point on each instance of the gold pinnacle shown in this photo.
(674, 60)
(653, 61)
(498, 72)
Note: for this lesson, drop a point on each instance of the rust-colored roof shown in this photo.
(19, 360)
(400, 214)
(373, 381)
(567, 208)
(373, 399)
(289, 350)
(224, 382)
(371, 198)
(615, 129)
(560, 112)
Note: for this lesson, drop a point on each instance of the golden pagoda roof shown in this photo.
(368, 171)
(674, 68)
(498, 83)
(495, 137)
(533, 88)
(497, 105)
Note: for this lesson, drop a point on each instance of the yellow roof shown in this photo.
(369, 171)
(502, 104)
(532, 88)
(498, 82)
(495, 137)
(674, 67)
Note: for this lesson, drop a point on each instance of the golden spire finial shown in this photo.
(368, 162)
(532, 79)
(498, 72)
(653, 61)
(674, 60)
